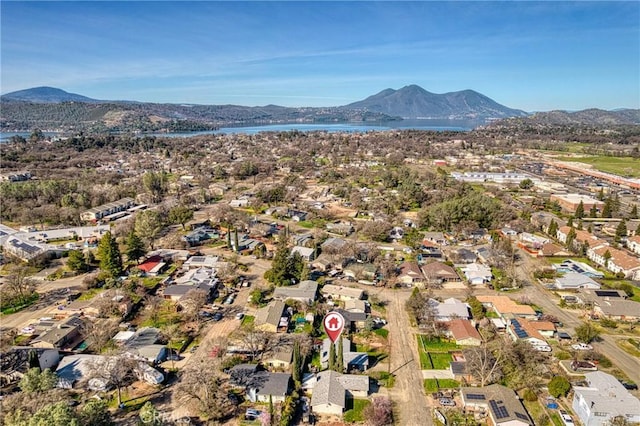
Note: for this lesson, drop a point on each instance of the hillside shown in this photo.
(415, 102)
(131, 116)
(44, 95)
(587, 117)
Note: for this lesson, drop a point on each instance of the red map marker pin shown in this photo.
(333, 325)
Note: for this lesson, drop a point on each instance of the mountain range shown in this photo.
(55, 109)
(415, 102)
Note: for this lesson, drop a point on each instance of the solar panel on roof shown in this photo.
(607, 293)
(521, 333)
(522, 416)
(477, 396)
(499, 410)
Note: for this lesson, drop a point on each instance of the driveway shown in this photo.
(408, 392)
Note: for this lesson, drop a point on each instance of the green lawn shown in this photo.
(90, 294)
(430, 385)
(383, 332)
(425, 361)
(448, 384)
(356, 414)
(440, 361)
(436, 345)
(248, 319)
(622, 166)
(27, 302)
(433, 385)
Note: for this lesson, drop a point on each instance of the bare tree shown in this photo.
(116, 370)
(152, 306)
(483, 364)
(202, 389)
(380, 412)
(18, 285)
(97, 334)
(256, 341)
(193, 301)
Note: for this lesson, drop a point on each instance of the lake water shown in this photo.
(433, 125)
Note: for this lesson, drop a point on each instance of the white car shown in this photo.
(581, 347)
(542, 348)
(566, 418)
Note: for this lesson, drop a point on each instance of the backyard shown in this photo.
(435, 353)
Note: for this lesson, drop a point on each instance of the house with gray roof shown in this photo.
(603, 399)
(331, 390)
(272, 317)
(269, 387)
(352, 360)
(304, 292)
(574, 280)
(338, 292)
(500, 403)
(306, 253)
(64, 335)
(451, 308)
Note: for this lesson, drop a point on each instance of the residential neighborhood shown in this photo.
(205, 300)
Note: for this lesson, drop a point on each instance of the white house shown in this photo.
(603, 400)
(573, 281)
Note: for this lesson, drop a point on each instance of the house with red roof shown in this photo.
(152, 266)
(464, 332)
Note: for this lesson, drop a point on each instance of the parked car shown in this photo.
(581, 347)
(252, 414)
(217, 316)
(566, 418)
(629, 385)
(542, 348)
(562, 335)
(447, 402)
(239, 315)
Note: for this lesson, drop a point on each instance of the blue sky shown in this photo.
(527, 55)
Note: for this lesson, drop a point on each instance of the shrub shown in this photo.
(559, 386)
(529, 395)
(563, 355)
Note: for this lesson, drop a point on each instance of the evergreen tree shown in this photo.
(279, 272)
(570, 221)
(180, 214)
(621, 231)
(553, 228)
(304, 274)
(32, 359)
(579, 214)
(297, 363)
(607, 210)
(571, 237)
(76, 261)
(634, 212)
(593, 212)
(601, 194)
(340, 356)
(607, 257)
(229, 239)
(236, 242)
(109, 254)
(332, 356)
(135, 247)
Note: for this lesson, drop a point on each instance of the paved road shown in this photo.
(549, 304)
(408, 392)
(51, 292)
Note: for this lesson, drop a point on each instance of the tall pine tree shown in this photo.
(579, 214)
(332, 356)
(340, 356)
(109, 254)
(135, 247)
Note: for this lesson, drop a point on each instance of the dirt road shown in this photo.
(408, 392)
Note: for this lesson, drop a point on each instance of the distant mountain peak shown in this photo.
(45, 94)
(412, 101)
